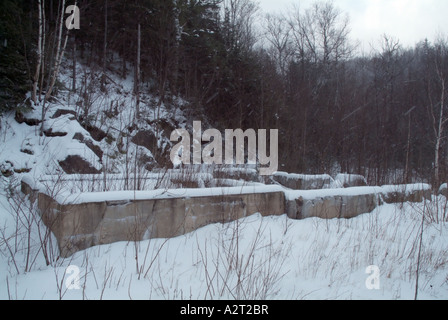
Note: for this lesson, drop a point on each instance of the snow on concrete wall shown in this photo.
(89, 219)
(83, 220)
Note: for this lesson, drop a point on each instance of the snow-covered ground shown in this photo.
(253, 258)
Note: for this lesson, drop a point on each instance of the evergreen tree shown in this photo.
(14, 43)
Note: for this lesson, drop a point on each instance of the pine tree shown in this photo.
(14, 69)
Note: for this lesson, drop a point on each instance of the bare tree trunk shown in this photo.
(58, 59)
(74, 65)
(103, 78)
(178, 38)
(39, 53)
(439, 136)
(44, 32)
(123, 66)
(137, 75)
(59, 53)
(408, 147)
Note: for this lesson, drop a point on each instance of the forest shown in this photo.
(380, 113)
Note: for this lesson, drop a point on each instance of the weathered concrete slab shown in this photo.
(406, 193)
(83, 220)
(341, 207)
(332, 203)
(350, 202)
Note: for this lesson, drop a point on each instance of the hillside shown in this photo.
(94, 134)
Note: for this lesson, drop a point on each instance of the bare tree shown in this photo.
(277, 33)
(74, 64)
(320, 40)
(239, 18)
(322, 31)
(138, 72)
(60, 50)
(437, 110)
(41, 10)
(103, 78)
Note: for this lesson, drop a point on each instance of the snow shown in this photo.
(64, 197)
(278, 258)
(322, 193)
(406, 188)
(293, 259)
(303, 176)
(65, 194)
(45, 151)
(162, 194)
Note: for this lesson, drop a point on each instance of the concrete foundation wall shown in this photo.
(80, 225)
(83, 225)
(330, 207)
(406, 193)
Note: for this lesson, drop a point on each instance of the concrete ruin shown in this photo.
(301, 181)
(333, 203)
(83, 220)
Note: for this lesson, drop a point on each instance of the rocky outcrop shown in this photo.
(90, 144)
(30, 118)
(75, 164)
(63, 112)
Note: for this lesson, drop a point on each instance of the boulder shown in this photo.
(89, 143)
(52, 134)
(145, 139)
(29, 118)
(75, 164)
(63, 112)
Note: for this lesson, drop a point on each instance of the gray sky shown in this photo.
(407, 20)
